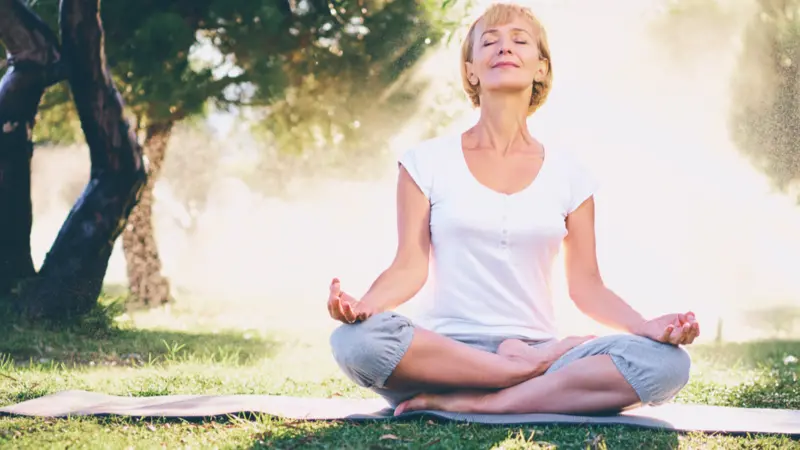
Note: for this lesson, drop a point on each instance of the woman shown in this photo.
(494, 205)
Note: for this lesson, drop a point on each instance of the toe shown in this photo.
(401, 408)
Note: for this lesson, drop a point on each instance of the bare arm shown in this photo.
(586, 287)
(409, 270)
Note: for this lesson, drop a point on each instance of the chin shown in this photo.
(508, 88)
(510, 83)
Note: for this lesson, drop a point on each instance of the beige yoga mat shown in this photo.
(677, 417)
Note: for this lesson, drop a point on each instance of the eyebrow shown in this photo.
(494, 30)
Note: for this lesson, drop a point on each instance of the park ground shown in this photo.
(199, 349)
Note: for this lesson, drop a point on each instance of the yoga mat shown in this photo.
(673, 416)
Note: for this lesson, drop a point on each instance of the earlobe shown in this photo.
(539, 76)
(473, 80)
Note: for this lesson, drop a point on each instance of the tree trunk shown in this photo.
(71, 277)
(34, 64)
(147, 285)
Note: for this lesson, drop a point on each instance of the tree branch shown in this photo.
(33, 60)
(72, 274)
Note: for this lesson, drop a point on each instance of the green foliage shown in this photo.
(765, 108)
(58, 120)
(355, 94)
(169, 59)
(765, 118)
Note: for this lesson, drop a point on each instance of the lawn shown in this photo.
(165, 354)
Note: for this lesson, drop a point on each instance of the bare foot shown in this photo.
(460, 401)
(542, 357)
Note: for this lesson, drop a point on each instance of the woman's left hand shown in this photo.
(675, 329)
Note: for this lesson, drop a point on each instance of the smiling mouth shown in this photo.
(505, 64)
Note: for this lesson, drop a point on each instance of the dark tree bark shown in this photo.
(148, 285)
(71, 277)
(34, 64)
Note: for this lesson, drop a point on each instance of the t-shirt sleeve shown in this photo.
(583, 184)
(418, 165)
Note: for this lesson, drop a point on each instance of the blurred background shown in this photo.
(277, 141)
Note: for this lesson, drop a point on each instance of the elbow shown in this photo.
(414, 273)
(417, 278)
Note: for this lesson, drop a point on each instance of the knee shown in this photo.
(367, 352)
(657, 371)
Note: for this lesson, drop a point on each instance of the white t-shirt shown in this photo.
(493, 253)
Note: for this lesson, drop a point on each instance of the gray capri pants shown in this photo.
(369, 351)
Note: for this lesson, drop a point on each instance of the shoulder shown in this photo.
(430, 150)
(572, 174)
(422, 160)
(565, 159)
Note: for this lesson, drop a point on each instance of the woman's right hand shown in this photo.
(344, 307)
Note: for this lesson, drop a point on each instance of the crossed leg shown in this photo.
(389, 354)
(418, 369)
(608, 374)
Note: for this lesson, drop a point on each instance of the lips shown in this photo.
(505, 64)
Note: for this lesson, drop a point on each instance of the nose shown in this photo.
(504, 49)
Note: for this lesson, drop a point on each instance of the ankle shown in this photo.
(522, 369)
(486, 403)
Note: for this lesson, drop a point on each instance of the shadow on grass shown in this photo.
(424, 433)
(97, 339)
(73, 346)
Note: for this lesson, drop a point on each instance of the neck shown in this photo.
(503, 122)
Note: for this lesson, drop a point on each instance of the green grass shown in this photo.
(149, 361)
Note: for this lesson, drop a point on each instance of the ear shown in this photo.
(471, 77)
(541, 70)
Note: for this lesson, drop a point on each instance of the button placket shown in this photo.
(504, 224)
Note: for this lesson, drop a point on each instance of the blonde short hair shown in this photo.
(498, 14)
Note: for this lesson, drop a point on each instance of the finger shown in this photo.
(335, 288)
(340, 309)
(336, 308)
(347, 310)
(693, 322)
(333, 291)
(667, 332)
(675, 336)
(694, 332)
(359, 314)
(686, 333)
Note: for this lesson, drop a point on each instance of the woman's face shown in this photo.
(506, 58)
